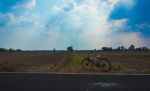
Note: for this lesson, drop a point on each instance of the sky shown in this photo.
(83, 24)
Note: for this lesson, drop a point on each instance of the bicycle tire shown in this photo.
(87, 64)
(105, 65)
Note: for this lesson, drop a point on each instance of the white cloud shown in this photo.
(24, 19)
(131, 38)
(28, 4)
(119, 24)
(91, 19)
(118, 39)
(96, 27)
(87, 26)
(56, 9)
(36, 39)
(143, 26)
(129, 3)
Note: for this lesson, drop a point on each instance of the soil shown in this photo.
(129, 62)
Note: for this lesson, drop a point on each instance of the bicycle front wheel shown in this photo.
(105, 65)
(87, 64)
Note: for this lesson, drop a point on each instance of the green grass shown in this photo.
(74, 60)
(115, 67)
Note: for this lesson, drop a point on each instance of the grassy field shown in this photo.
(122, 62)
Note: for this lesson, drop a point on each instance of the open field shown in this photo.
(129, 62)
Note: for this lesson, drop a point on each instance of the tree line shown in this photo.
(122, 48)
(70, 48)
(119, 48)
(10, 50)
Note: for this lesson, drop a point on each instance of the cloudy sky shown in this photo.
(84, 24)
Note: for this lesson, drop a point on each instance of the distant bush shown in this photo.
(11, 50)
(132, 47)
(107, 48)
(70, 48)
(3, 49)
(18, 50)
(118, 48)
(142, 48)
(122, 48)
(54, 50)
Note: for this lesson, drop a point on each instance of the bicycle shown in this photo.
(101, 63)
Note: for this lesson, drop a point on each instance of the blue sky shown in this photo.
(84, 24)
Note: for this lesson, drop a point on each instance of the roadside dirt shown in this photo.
(61, 62)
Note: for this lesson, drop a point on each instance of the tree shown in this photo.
(95, 50)
(132, 47)
(11, 50)
(145, 48)
(122, 48)
(54, 50)
(118, 48)
(106, 48)
(2, 50)
(18, 50)
(70, 48)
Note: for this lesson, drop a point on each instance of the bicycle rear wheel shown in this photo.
(87, 64)
(105, 65)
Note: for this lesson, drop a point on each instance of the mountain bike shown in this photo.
(100, 63)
